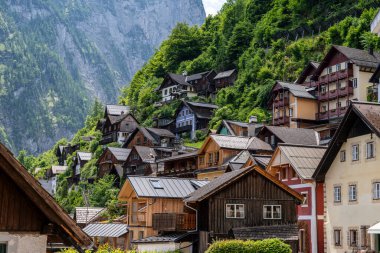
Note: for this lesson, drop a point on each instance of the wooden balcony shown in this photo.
(281, 102)
(282, 120)
(333, 113)
(138, 219)
(338, 75)
(335, 93)
(183, 129)
(174, 221)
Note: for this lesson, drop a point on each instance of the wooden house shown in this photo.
(294, 165)
(274, 135)
(63, 151)
(238, 204)
(49, 181)
(225, 79)
(217, 150)
(192, 116)
(246, 158)
(182, 165)
(111, 162)
(237, 128)
(79, 161)
(203, 82)
(348, 174)
(30, 219)
(85, 215)
(113, 234)
(141, 161)
(150, 137)
(175, 86)
(154, 205)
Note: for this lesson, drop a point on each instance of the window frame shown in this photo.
(337, 236)
(354, 83)
(370, 143)
(342, 155)
(376, 190)
(336, 200)
(338, 67)
(305, 202)
(352, 193)
(350, 232)
(272, 212)
(234, 211)
(355, 157)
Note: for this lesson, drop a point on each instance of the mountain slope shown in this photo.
(56, 56)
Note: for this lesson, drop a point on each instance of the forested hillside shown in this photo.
(265, 40)
(56, 56)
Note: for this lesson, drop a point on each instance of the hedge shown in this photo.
(238, 246)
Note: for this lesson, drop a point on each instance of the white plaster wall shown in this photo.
(156, 247)
(24, 243)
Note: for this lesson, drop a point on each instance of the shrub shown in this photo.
(264, 246)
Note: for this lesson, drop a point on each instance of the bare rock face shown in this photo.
(58, 56)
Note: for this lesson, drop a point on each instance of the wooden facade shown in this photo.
(179, 166)
(117, 128)
(225, 81)
(139, 139)
(137, 164)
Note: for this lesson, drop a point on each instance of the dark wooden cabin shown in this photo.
(225, 79)
(150, 137)
(117, 128)
(203, 82)
(141, 161)
(29, 216)
(248, 198)
(63, 151)
(183, 165)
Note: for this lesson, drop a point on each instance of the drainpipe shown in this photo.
(196, 217)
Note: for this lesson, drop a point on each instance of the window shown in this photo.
(216, 157)
(267, 139)
(337, 237)
(3, 248)
(353, 240)
(305, 199)
(145, 140)
(338, 67)
(141, 234)
(166, 92)
(281, 95)
(376, 190)
(131, 235)
(324, 108)
(337, 194)
(354, 83)
(235, 211)
(290, 112)
(302, 239)
(343, 155)
(272, 212)
(138, 141)
(352, 192)
(272, 140)
(370, 152)
(285, 174)
(323, 89)
(355, 152)
(329, 70)
(201, 160)
(156, 184)
(170, 90)
(338, 104)
(364, 237)
(210, 158)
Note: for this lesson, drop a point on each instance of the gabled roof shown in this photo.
(309, 69)
(57, 169)
(84, 215)
(41, 198)
(197, 76)
(179, 157)
(201, 110)
(303, 159)
(121, 154)
(84, 156)
(257, 144)
(296, 89)
(160, 132)
(237, 142)
(224, 74)
(179, 79)
(147, 154)
(294, 135)
(113, 230)
(227, 179)
(376, 75)
(117, 110)
(162, 187)
(116, 119)
(359, 57)
(367, 113)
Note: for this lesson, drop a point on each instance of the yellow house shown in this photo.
(154, 205)
(349, 170)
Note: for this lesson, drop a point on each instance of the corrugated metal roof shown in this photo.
(295, 135)
(84, 156)
(144, 186)
(172, 237)
(121, 154)
(114, 230)
(224, 74)
(84, 215)
(161, 132)
(240, 142)
(296, 89)
(57, 169)
(304, 159)
(117, 110)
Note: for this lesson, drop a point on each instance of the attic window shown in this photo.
(156, 184)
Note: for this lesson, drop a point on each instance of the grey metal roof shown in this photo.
(360, 57)
(171, 187)
(117, 110)
(224, 74)
(262, 159)
(295, 135)
(121, 154)
(287, 232)
(181, 79)
(296, 89)
(160, 132)
(240, 142)
(84, 215)
(172, 237)
(257, 144)
(197, 104)
(57, 169)
(304, 159)
(84, 156)
(196, 76)
(113, 230)
(179, 157)
(147, 154)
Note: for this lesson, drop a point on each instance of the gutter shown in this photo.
(196, 218)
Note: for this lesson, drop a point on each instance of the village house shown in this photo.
(375, 24)
(113, 234)
(63, 151)
(247, 158)
(225, 79)
(150, 137)
(305, 78)
(30, 219)
(292, 105)
(79, 161)
(117, 126)
(375, 80)
(141, 161)
(294, 165)
(274, 135)
(155, 207)
(237, 128)
(111, 162)
(202, 82)
(182, 165)
(217, 150)
(49, 181)
(235, 206)
(349, 174)
(193, 116)
(175, 86)
(85, 215)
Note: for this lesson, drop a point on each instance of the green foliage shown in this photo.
(264, 246)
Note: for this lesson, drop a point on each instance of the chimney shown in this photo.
(252, 119)
(252, 126)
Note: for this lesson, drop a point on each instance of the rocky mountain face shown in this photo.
(57, 56)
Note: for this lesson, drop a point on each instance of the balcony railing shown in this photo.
(333, 113)
(281, 102)
(334, 93)
(282, 120)
(338, 75)
(174, 221)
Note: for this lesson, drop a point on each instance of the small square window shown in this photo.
(338, 67)
(156, 184)
(343, 155)
(355, 83)
(235, 211)
(352, 193)
(272, 212)
(329, 70)
(141, 234)
(305, 199)
(3, 248)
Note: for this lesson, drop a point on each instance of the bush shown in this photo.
(264, 246)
